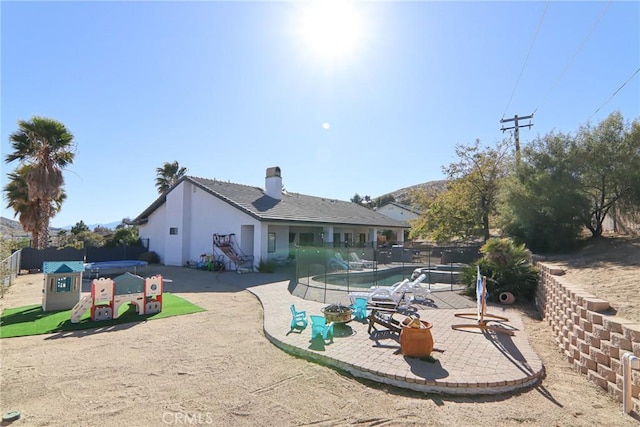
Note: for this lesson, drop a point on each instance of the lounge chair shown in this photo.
(353, 265)
(393, 294)
(366, 264)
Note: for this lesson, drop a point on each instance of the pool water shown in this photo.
(366, 279)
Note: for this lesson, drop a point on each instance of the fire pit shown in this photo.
(337, 313)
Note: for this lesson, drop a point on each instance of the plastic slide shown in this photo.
(78, 310)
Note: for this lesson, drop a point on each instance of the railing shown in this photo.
(9, 270)
(629, 361)
(337, 269)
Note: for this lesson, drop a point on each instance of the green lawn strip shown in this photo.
(31, 320)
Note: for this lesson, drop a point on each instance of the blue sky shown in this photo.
(229, 89)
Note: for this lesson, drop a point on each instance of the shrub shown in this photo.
(507, 268)
(150, 257)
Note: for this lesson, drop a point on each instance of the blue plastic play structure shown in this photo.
(299, 318)
(359, 308)
(319, 327)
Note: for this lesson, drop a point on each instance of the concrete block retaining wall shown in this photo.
(592, 341)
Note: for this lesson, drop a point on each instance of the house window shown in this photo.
(347, 239)
(173, 231)
(271, 243)
(306, 239)
(362, 238)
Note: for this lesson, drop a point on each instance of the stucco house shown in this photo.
(265, 223)
(399, 211)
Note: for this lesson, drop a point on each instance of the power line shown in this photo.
(535, 36)
(614, 93)
(575, 54)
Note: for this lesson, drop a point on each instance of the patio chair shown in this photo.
(320, 327)
(298, 319)
(366, 264)
(351, 264)
(390, 317)
(359, 308)
(384, 317)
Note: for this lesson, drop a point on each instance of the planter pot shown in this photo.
(416, 342)
(507, 298)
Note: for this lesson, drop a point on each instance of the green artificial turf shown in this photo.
(31, 320)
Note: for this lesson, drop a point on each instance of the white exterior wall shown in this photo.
(198, 216)
(177, 244)
(397, 213)
(282, 241)
(155, 231)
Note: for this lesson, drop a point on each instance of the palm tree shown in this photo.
(44, 147)
(168, 175)
(29, 212)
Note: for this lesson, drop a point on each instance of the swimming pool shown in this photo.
(366, 279)
(129, 264)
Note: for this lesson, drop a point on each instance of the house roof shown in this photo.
(60, 267)
(293, 207)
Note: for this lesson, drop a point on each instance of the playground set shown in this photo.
(62, 284)
(108, 295)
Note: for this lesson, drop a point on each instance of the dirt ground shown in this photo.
(217, 368)
(609, 268)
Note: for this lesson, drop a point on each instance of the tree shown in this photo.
(124, 235)
(29, 212)
(465, 208)
(544, 206)
(609, 168)
(101, 230)
(79, 227)
(168, 175)
(453, 214)
(86, 238)
(44, 147)
(356, 199)
(627, 210)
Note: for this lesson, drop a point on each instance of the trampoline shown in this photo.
(106, 267)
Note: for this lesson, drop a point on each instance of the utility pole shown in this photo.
(517, 126)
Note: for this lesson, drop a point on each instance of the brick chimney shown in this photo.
(273, 183)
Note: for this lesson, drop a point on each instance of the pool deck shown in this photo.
(468, 361)
(464, 361)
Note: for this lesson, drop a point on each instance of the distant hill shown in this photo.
(403, 195)
(11, 228)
